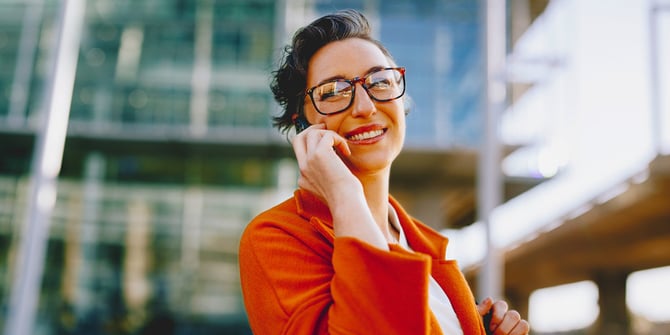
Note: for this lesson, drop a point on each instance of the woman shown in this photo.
(342, 256)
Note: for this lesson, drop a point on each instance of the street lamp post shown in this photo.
(47, 159)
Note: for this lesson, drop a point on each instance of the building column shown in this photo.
(81, 242)
(137, 288)
(614, 318)
(202, 68)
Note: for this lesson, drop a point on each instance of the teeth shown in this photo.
(366, 135)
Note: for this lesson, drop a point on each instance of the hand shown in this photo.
(322, 172)
(322, 156)
(503, 321)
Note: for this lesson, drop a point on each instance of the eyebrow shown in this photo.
(339, 77)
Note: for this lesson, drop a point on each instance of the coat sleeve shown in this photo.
(297, 283)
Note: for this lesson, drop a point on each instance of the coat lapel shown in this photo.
(421, 239)
(446, 272)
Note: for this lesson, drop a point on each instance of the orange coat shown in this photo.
(297, 278)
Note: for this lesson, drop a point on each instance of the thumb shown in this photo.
(484, 306)
(341, 145)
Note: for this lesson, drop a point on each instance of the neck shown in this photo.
(376, 189)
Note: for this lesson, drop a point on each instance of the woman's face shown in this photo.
(375, 131)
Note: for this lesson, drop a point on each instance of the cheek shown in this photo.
(400, 120)
(332, 122)
(314, 117)
(399, 113)
(317, 118)
(311, 115)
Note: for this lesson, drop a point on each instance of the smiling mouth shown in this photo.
(366, 135)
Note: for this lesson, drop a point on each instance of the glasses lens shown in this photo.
(335, 96)
(332, 97)
(385, 85)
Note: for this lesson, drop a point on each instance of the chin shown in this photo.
(370, 164)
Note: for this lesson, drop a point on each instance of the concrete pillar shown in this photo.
(614, 318)
(489, 178)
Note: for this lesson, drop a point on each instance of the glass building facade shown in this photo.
(170, 149)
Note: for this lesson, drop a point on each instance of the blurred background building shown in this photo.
(170, 152)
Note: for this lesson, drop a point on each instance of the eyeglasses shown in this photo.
(337, 95)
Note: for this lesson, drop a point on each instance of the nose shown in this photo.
(363, 105)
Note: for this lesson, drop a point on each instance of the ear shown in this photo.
(408, 103)
(300, 123)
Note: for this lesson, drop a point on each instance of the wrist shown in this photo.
(345, 193)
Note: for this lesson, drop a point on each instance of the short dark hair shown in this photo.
(290, 80)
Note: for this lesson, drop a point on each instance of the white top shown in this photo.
(437, 299)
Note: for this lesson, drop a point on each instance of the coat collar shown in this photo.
(310, 206)
(420, 237)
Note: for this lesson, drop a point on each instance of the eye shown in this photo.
(380, 84)
(333, 91)
(381, 80)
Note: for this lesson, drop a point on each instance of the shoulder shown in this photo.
(282, 227)
(283, 216)
(278, 245)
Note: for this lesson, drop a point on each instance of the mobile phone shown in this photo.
(300, 123)
(487, 322)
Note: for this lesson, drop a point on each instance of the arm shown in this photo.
(325, 174)
(292, 286)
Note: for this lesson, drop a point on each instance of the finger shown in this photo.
(315, 128)
(521, 328)
(312, 141)
(299, 148)
(484, 306)
(307, 130)
(341, 144)
(304, 142)
(335, 140)
(510, 320)
(499, 309)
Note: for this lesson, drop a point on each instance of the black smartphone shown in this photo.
(487, 322)
(300, 123)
